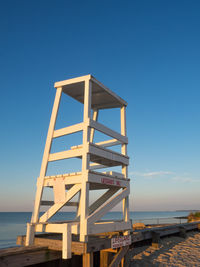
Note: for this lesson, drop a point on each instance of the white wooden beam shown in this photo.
(46, 155)
(106, 179)
(125, 204)
(101, 211)
(95, 166)
(68, 180)
(71, 81)
(105, 130)
(30, 234)
(85, 162)
(109, 91)
(108, 154)
(115, 174)
(102, 227)
(95, 117)
(51, 203)
(66, 154)
(56, 227)
(102, 199)
(66, 242)
(68, 130)
(108, 143)
(59, 190)
(56, 207)
(78, 211)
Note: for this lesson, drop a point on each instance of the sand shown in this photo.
(173, 251)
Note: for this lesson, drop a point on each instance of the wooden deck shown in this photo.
(48, 247)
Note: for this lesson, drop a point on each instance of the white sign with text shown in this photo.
(120, 241)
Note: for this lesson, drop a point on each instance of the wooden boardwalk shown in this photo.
(97, 251)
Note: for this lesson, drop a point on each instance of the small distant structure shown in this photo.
(94, 156)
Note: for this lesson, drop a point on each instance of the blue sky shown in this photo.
(146, 51)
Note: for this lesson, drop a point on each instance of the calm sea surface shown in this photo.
(13, 224)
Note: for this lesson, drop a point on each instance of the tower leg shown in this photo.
(30, 234)
(46, 155)
(38, 197)
(85, 162)
(66, 242)
(125, 206)
(84, 212)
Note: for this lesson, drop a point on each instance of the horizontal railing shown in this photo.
(166, 220)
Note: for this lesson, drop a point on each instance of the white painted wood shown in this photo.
(84, 208)
(68, 130)
(108, 143)
(64, 175)
(123, 130)
(29, 234)
(78, 211)
(95, 117)
(66, 242)
(101, 92)
(73, 80)
(49, 227)
(77, 147)
(59, 191)
(57, 227)
(95, 166)
(108, 227)
(109, 91)
(99, 227)
(66, 154)
(91, 93)
(106, 179)
(57, 206)
(115, 174)
(101, 211)
(51, 203)
(105, 153)
(125, 206)
(105, 130)
(102, 199)
(46, 155)
(87, 105)
(68, 180)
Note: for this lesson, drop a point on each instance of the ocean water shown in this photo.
(13, 224)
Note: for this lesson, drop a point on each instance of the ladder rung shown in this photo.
(73, 153)
(68, 130)
(51, 203)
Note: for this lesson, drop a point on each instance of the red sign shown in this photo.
(110, 181)
(107, 181)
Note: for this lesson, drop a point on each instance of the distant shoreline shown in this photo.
(195, 210)
(187, 210)
(115, 211)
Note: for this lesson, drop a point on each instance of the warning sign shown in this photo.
(120, 241)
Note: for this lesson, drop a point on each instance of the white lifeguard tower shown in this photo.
(95, 156)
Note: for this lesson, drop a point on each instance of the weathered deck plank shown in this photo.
(99, 242)
(48, 247)
(53, 242)
(26, 256)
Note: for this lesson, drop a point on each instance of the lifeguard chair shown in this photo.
(95, 156)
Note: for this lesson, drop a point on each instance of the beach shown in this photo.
(173, 251)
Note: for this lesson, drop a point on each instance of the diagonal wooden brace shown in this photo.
(57, 206)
